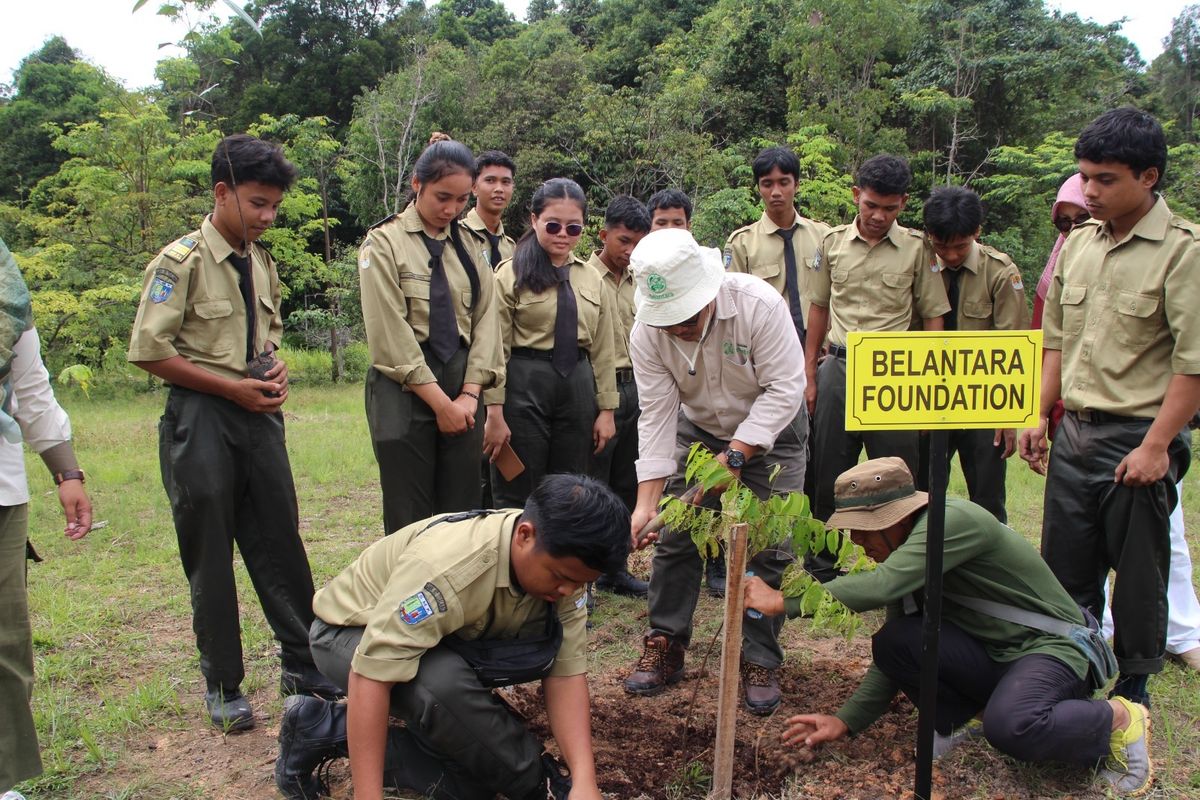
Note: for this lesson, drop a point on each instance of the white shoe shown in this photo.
(12, 795)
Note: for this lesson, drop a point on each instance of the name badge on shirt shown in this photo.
(415, 608)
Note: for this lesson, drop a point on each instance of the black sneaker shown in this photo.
(228, 709)
(621, 582)
(311, 734)
(307, 679)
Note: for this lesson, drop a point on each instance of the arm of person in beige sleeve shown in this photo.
(393, 345)
(658, 396)
(496, 432)
(779, 367)
(1010, 312)
(604, 372)
(1031, 442)
(929, 291)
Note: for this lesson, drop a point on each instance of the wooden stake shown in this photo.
(731, 656)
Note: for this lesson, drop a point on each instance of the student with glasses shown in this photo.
(432, 330)
(556, 332)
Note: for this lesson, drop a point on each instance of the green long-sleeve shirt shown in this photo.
(983, 558)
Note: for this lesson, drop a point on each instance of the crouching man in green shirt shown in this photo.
(426, 621)
(1030, 688)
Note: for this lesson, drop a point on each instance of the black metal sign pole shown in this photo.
(938, 443)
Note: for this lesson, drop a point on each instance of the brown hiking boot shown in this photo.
(761, 687)
(660, 666)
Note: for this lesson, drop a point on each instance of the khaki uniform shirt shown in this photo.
(875, 288)
(192, 305)
(474, 223)
(622, 289)
(527, 320)
(411, 590)
(991, 295)
(394, 276)
(1126, 315)
(757, 250)
(749, 375)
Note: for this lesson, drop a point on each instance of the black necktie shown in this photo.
(792, 281)
(494, 238)
(244, 265)
(566, 325)
(443, 324)
(952, 293)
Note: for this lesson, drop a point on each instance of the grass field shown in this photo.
(117, 670)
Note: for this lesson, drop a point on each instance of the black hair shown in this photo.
(1127, 136)
(242, 158)
(494, 158)
(670, 198)
(440, 159)
(627, 211)
(574, 515)
(885, 174)
(530, 263)
(773, 157)
(952, 212)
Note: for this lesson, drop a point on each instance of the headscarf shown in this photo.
(16, 316)
(1070, 192)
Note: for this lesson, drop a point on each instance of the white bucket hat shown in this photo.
(674, 277)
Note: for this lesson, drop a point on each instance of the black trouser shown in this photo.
(1034, 709)
(836, 449)
(982, 464)
(677, 565)
(227, 476)
(422, 471)
(1092, 525)
(615, 464)
(551, 419)
(460, 740)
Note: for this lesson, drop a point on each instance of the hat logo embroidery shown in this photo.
(658, 287)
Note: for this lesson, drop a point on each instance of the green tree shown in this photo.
(539, 10)
(1176, 73)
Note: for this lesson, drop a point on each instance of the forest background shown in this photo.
(624, 96)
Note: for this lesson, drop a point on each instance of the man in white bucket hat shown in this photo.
(717, 361)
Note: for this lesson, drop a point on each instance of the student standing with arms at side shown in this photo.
(433, 333)
(210, 304)
(986, 293)
(556, 327)
(625, 223)
(1122, 348)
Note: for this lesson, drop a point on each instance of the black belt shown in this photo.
(1102, 417)
(837, 351)
(541, 355)
(625, 375)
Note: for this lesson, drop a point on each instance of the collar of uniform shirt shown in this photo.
(971, 262)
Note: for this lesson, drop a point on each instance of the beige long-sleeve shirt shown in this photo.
(748, 382)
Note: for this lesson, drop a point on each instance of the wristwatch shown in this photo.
(735, 459)
(69, 475)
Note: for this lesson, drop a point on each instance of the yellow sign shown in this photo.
(954, 379)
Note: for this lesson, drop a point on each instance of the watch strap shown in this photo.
(69, 475)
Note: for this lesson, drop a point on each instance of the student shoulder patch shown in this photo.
(415, 608)
(1017, 284)
(364, 255)
(728, 257)
(163, 285)
(439, 599)
(181, 249)
(816, 262)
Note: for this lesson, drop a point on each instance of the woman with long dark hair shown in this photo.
(433, 334)
(556, 327)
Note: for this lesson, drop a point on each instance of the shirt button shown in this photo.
(488, 558)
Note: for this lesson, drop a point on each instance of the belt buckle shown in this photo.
(1084, 415)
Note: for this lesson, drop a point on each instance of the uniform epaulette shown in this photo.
(836, 229)
(999, 255)
(265, 249)
(383, 221)
(1185, 224)
(738, 232)
(181, 248)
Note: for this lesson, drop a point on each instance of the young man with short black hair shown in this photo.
(625, 223)
(986, 293)
(208, 324)
(493, 191)
(670, 208)
(1122, 349)
(427, 620)
(869, 275)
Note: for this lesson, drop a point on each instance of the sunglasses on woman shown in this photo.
(1066, 224)
(553, 227)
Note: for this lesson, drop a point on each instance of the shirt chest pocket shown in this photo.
(767, 270)
(1073, 310)
(897, 289)
(976, 315)
(416, 296)
(262, 322)
(589, 308)
(214, 334)
(1138, 320)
